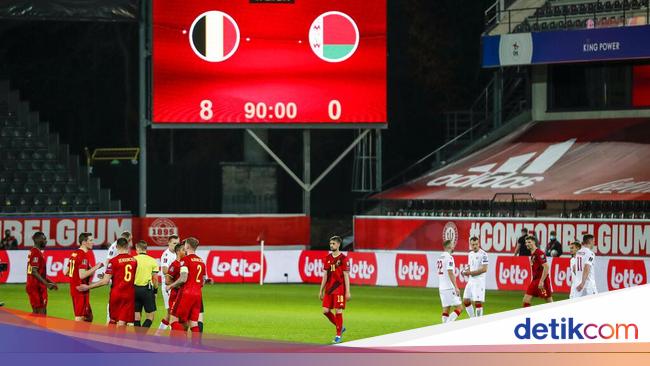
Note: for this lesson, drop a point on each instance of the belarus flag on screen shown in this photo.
(215, 36)
(334, 36)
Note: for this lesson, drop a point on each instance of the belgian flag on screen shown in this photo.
(215, 36)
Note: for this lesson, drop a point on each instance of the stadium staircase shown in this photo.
(37, 172)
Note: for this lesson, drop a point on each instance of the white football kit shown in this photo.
(448, 295)
(585, 257)
(575, 281)
(112, 253)
(165, 261)
(475, 288)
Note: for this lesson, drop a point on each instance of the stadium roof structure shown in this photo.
(605, 160)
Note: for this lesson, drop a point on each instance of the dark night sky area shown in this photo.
(83, 78)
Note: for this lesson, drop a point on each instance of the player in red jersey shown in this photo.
(121, 269)
(540, 286)
(335, 287)
(187, 306)
(37, 281)
(80, 273)
(173, 273)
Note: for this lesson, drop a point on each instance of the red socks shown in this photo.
(526, 304)
(339, 323)
(164, 321)
(445, 314)
(178, 326)
(457, 311)
(195, 329)
(331, 317)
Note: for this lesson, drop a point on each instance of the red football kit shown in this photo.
(36, 290)
(174, 272)
(334, 297)
(537, 260)
(80, 300)
(121, 303)
(189, 298)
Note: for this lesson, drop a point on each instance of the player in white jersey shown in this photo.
(449, 293)
(112, 252)
(585, 273)
(166, 260)
(474, 294)
(575, 281)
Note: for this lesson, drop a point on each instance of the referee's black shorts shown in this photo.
(145, 298)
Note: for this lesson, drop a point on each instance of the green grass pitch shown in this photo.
(291, 312)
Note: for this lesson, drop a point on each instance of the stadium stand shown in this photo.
(508, 127)
(569, 15)
(37, 171)
(561, 169)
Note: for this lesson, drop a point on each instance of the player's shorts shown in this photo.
(37, 297)
(145, 298)
(173, 296)
(535, 291)
(81, 305)
(474, 291)
(334, 301)
(187, 306)
(586, 291)
(165, 295)
(122, 308)
(449, 297)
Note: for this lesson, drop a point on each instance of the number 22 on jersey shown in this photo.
(439, 266)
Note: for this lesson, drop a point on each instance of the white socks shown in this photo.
(470, 311)
(479, 311)
(452, 317)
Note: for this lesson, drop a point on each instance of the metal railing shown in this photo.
(464, 127)
(596, 10)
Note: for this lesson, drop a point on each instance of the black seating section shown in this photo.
(581, 15)
(584, 209)
(37, 174)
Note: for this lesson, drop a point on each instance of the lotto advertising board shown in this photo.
(401, 269)
(270, 63)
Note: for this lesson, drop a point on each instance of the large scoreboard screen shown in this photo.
(269, 62)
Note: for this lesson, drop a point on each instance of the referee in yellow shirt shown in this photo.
(146, 285)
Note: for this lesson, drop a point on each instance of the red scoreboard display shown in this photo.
(269, 62)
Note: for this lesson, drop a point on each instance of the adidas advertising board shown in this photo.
(517, 172)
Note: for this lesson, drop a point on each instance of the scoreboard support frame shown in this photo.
(305, 183)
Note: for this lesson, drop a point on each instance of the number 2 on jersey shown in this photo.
(439, 266)
(199, 269)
